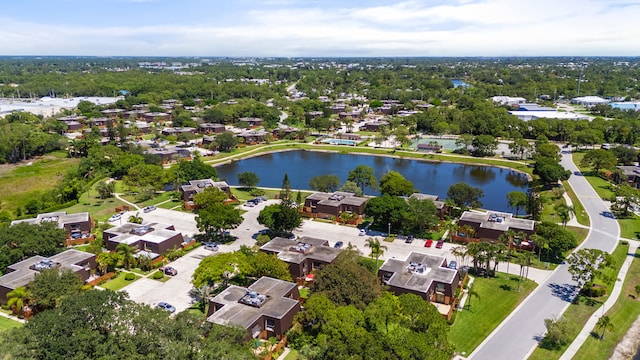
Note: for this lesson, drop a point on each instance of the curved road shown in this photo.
(518, 335)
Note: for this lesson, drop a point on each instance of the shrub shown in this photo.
(157, 275)
(129, 277)
(256, 192)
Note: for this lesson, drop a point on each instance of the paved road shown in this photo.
(518, 335)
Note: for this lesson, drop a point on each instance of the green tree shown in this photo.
(564, 213)
(520, 146)
(126, 254)
(557, 334)
(226, 141)
(394, 184)
(550, 172)
(484, 145)
(212, 269)
(192, 170)
(386, 209)
(202, 294)
(351, 187)
(209, 197)
(626, 155)
(107, 261)
(50, 287)
(17, 299)
(217, 218)
(421, 215)
(363, 176)
(345, 282)
(517, 200)
(106, 189)
(325, 183)
(465, 196)
(144, 176)
(599, 159)
(23, 240)
(560, 239)
(625, 197)
(585, 265)
(605, 324)
(248, 179)
(377, 249)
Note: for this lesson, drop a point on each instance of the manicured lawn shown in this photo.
(600, 185)
(20, 184)
(292, 355)
(581, 214)
(6, 324)
(622, 314)
(630, 228)
(118, 282)
(243, 194)
(550, 201)
(497, 298)
(578, 313)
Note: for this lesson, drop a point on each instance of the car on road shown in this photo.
(166, 306)
(439, 244)
(168, 270)
(608, 214)
(338, 245)
(428, 243)
(363, 232)
(453, 265)
(409, 239)
(115, 217)
(212, 246)
(149, 208)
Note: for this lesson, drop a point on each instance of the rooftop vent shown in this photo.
(417, 268)
(44, 265)
(301, 247)
(254, 299)
(141, 230)
(336, 197)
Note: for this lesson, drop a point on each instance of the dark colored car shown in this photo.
(168, 270)
(338, 245)
(439, 244)
(409, 239)
(166, 306)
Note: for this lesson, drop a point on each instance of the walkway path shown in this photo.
(524, 327)
(615, 294)
(14, 318)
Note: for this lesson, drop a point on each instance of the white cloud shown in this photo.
(409, 28)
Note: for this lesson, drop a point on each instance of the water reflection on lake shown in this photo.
(427, 177)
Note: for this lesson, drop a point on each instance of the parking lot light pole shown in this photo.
(389, 232)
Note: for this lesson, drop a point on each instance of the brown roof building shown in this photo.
(22, 273)
(153, 237)
(489, 226)
(424, 275)
(266, 308)
(303, 255)
(326, 205)
(72, 223)
(197, 186)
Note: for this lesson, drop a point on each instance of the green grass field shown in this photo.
(118, 282)
(497, 298)
(581, 214)
(6, 324)
(630, 228)
(21, 183)
(578, 313)
(622, 314)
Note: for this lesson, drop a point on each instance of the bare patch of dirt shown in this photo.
(626, 349)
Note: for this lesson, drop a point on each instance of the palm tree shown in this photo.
(202, 295)
(126, 252)
(136, 219)
(604, 324)
(17, 299)
(106, 261)
(376, 248)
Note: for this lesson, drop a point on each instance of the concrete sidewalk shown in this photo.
(615, 294)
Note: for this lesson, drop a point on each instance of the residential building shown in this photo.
(252, 121)
(303, 256)
(265, 309)
(22, 273)
(112, 112)
(208, 128)
(375, 125)
(490, 225)
(632, 174)
(328, 205)
(155, 238)
(197, 186)
(178, 130)
(252, 137)
(427, 276)
(76, 225)
(156, 116)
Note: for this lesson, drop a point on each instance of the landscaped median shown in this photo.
(122, 280)
(491, 300)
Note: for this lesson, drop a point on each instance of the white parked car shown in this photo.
(115, 217)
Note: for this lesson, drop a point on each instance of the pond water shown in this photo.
(427, 177)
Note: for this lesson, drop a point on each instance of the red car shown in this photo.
(439, 244)
(428, 243)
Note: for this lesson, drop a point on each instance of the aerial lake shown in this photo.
(427, 177)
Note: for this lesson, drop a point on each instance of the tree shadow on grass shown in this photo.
(506, 287)
(566, 292)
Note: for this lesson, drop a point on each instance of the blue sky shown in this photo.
(320, 27)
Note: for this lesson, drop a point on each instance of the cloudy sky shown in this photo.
(320, 27)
